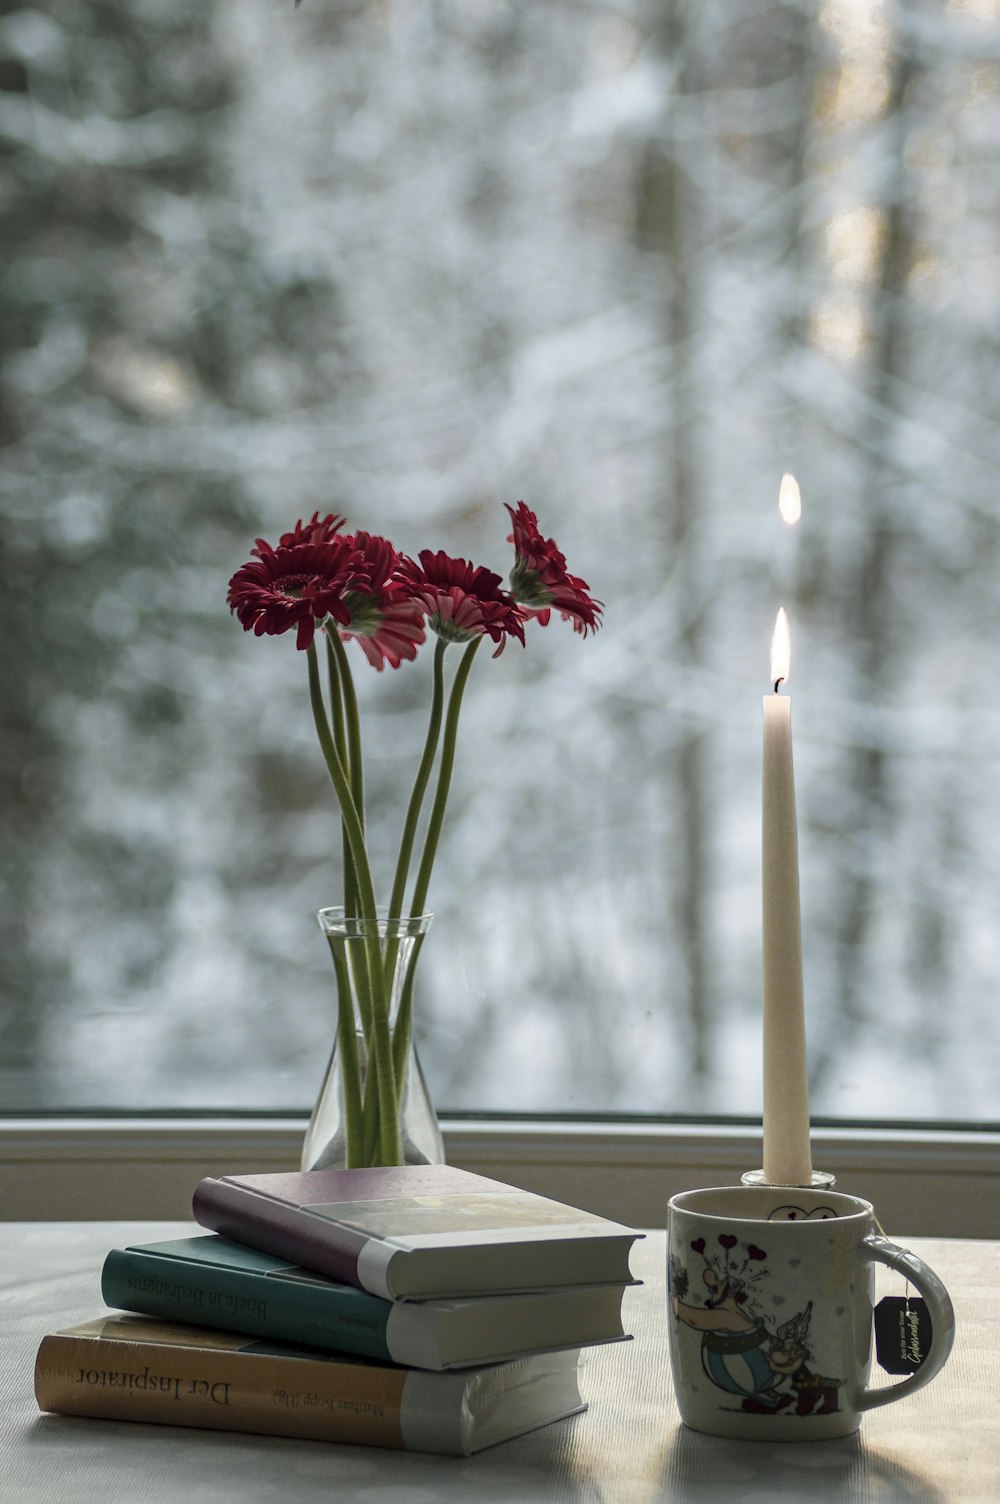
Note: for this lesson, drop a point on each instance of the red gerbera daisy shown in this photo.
(462, 600)
(296, 586)
(539, 579)
(385, 620)
(317, 530)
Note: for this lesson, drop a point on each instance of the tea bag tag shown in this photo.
(902, 1333)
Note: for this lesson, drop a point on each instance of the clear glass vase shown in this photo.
(373, 1107)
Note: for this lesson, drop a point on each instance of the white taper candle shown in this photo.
(787, 1158)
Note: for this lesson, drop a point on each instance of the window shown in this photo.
(631, 263)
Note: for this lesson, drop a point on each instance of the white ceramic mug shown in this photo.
(770, 1311)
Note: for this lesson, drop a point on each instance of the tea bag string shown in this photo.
(885, 1235)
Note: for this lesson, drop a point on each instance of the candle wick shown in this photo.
(777, 682)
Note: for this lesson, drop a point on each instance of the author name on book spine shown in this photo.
(190, 1295)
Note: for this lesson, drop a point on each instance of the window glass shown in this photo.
(630, 262)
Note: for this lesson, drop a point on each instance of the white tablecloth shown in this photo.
(941, 1445)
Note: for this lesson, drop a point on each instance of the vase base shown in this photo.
(334, 1157)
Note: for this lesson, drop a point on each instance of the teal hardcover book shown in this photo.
(212, 1281)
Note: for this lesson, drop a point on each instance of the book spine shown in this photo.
(268, 1395)
(243, 1301)
(277, 1227)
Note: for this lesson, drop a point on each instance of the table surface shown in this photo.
(943, 1444)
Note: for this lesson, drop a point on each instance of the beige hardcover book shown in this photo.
(132, 1368)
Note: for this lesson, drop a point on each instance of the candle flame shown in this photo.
(789, 499)
(781, 650)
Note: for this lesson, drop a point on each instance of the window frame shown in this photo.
(923, 1182)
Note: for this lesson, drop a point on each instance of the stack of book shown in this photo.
(420, 1307)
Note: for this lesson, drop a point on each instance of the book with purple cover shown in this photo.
(412, 1232)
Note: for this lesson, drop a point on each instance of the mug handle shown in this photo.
(879, 1250)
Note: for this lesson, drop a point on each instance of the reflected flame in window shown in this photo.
(789, 499)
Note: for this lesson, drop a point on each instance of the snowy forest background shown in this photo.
(628, 260)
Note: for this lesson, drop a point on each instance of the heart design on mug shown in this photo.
(799, 1214)
(698, 1244)
(755, 1253)
(740, 1297)
(727, 1240)
(777, 1300)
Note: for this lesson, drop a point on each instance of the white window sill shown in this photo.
(923, 1182)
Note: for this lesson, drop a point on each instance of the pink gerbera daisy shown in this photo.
(463, 601)
(539, 579)
(296, 586)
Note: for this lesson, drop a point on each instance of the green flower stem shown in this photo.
(337, 710)
(361, 961)
(347, 735)
(381, 1091)
(338, 777)
(369, 1120)
(355, 762)
(380, 1124)
(401, 1035)
(340, 741)
(404, 1018)
(380, 1059)
(445, 768)
(350, 1065)
(380, 1080)
(398, 897)
(372, 1150)
(354, 836)
(420, 784)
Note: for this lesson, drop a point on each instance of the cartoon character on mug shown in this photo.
(813, 1393)
(766, 1370)
(733, 1344)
